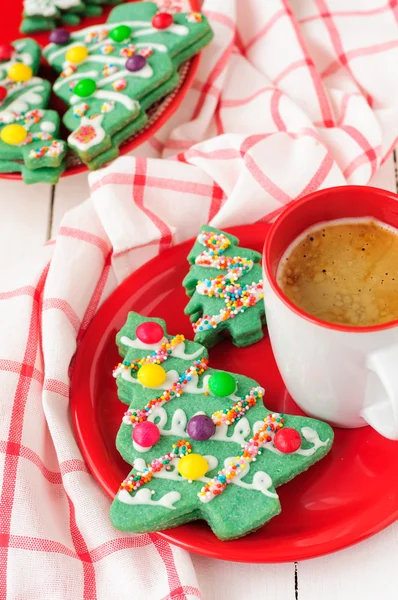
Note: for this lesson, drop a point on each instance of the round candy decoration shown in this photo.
(222, 384)
(135, 62)
(120, 33)
(19, 72)
(6, 51)
(146, 434)
(3, 93)
(192, 466)
(59, 36)
(287, 440)
(85, 87)
(200, 428)
(76, 54)
(151, 375)
(162, 20)
(149, 332)
(13, 134)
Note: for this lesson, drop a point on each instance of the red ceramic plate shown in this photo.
(158, 114)
(347, 497)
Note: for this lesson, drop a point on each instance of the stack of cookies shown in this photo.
(110, 74)
(28, 132)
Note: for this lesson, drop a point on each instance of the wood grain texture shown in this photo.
(223, 580)
(24, 221)
(69, 192)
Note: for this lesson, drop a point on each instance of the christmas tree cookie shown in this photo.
(200, 441)
(28, 132)
(110, 74)
(226, 291)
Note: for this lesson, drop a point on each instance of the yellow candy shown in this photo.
(151, 375)
(76, 54)
(192, 466)
(19, 72)
(13, 134)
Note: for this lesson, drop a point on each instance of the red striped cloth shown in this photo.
(288, 98)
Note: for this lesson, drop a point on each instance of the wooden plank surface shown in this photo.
(29, 216)
(24, 220)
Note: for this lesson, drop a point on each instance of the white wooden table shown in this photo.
(29, 216)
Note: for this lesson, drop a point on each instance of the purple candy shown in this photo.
(200, 428)
(59, 36)
(135, 62)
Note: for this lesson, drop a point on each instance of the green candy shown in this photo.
(222, 384)
(120, 33)
(85, 87)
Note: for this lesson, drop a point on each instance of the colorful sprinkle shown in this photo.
(194, 17)
(68, 71)
(145, 52)
(272, 423)
(32, 116)
(237, 297)
(136, 480)
(228, 416)
(54, 149)
(107, 48)
(96, 36)
(109, 69)
(156, 357)
(85, 134)
(127, 51)
(119, 85)
(79, 110)
(107, 106)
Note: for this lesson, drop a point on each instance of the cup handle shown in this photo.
(381, 396)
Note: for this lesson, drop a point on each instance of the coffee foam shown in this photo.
(344, 271)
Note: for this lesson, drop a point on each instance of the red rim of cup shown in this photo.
(325, 205)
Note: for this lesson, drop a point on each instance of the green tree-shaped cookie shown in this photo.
(28, 131)
(201, 443)
(111, 73)
(225, 287)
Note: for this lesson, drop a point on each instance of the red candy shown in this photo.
(146, 434)
(6, 51)
(162, 20)
(149, 332)
(3, 93)
(287, 440)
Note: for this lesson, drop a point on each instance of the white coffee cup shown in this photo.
(347, 376)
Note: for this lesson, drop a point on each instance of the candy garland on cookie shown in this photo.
(156, 357)
(151, 374)
(187, 461)
(237, 297)
(54, 149)
(272, 423)
(156, 375)
(133, 482)
(227, 416)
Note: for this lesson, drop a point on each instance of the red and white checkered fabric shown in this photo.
(287, 99)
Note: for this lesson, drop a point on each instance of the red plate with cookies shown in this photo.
(345, 498)
(158, 113)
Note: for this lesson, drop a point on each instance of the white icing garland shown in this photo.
(144, 496)
(261, 482)
(22, 103)
(177, 351)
